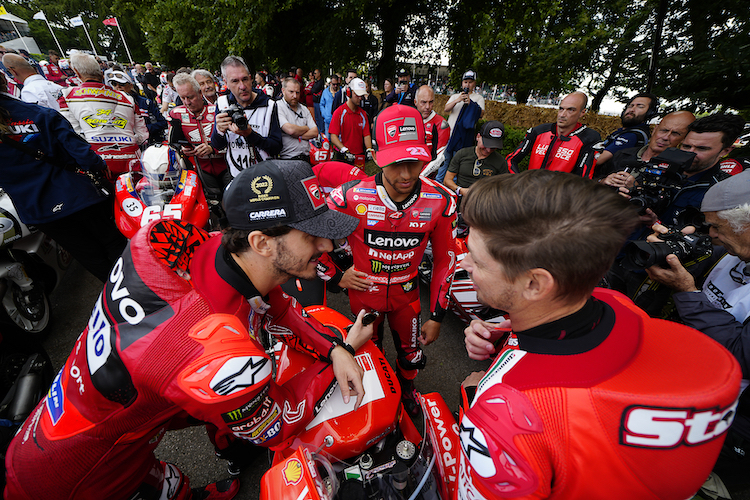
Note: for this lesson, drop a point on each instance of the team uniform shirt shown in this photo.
(388, 245)
(352, 127)
(469, 168)
(196, 130)
(635, 408)
(293, 146)
(626, 137)
(109, 120)
(160, 349)
(263, 143)
(437, 132)
(37, 90)
(55, 74)
(571, 153)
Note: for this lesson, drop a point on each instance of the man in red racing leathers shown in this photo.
(564, 146)
(399, 213)
(168, 343)
(588, 397)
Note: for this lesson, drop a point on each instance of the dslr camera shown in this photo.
(659, 180)
(642, 254)
(237, 114)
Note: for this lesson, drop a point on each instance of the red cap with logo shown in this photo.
(399, 136)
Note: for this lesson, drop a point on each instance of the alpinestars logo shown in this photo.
(240, 373)
(475, 447)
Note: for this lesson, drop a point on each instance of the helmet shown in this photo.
(160, 169)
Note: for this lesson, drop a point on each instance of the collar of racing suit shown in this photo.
(231, 272)
(581, 331)
(393, 205)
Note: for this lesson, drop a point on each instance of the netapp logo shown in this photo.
(276, 213)
(392, 241)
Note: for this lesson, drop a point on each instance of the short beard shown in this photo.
(631, 122)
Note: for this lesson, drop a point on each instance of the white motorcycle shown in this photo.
(31, 266)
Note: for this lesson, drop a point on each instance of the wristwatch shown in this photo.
(339, 342)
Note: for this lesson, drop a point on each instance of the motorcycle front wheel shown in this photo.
(25, 312)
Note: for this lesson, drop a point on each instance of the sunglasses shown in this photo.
(477, 168)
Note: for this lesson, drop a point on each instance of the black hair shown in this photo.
(653, 107)
(235, 240)
(730, 126)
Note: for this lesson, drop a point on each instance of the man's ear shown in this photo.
(261, 243)
(538, 284)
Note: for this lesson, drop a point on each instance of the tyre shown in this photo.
(25, 312)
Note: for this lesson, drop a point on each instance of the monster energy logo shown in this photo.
(378, 267)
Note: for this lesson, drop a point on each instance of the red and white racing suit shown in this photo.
(436, 126)
(388, 245)
(196, 129)
(160, 349)
(636, 408)
(109, 120)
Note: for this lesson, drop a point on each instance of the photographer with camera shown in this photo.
(668, 188)
(405, 92)
(462, 104)
(720, 308)
(247, 124)
(670, 131)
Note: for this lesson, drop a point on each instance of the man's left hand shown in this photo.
(203, 149)
(430, 332)
(348, 374)
(676, 277)
(244, 133)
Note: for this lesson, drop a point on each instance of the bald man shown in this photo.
(437, 132)
(669, 133)
(564, 146)
(36, 89)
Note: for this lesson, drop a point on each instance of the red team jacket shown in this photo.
(197, 130)
(389, 241)
(436, 127)
(641, 414)
(572, 153)
(150, 358)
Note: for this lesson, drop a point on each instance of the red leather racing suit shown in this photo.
(196, 129)
(435, 126)
(636, 408)
(388, 245)
(155, 353)
(109, 120)
(564, 153)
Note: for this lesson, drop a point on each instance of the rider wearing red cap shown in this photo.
(399, 212)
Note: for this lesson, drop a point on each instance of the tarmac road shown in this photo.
(190, 449)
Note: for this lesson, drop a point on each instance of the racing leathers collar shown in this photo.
(230, 271)
(393, 205)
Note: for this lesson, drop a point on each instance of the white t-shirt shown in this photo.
(38, 90)
(477, 98)
(292, 146)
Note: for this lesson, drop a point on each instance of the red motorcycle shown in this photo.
(374, 452)
(159, 186)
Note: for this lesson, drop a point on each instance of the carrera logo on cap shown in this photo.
(261, 186)
(275, 213)
(313, 192)
(496, 133)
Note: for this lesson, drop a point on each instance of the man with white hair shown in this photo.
(190, 126)
(720, 307)
(36, 89)
(207, 83)
(109, 120)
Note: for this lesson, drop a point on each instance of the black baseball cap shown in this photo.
(492, 134)
(283, 192)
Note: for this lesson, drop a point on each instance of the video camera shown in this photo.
(642, 254)
(237, 114)
(659, 180)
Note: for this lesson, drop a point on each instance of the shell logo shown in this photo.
(292, 472)
(361, 209)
